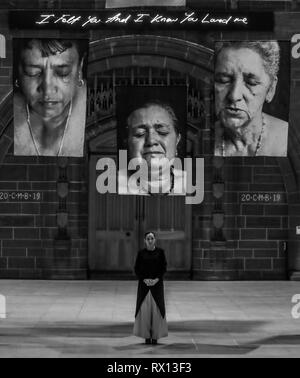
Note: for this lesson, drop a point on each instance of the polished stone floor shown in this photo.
(95, 319)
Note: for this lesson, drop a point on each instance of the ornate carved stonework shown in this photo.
(102, 91)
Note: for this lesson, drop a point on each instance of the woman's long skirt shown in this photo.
(149, 323)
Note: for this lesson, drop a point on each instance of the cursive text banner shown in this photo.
(108, 19)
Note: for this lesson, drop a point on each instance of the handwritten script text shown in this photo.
(188, 18)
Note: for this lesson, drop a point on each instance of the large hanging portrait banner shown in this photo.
(252, 87)
(50, 95)
(151, 124)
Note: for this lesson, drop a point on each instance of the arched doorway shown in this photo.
(117, 223)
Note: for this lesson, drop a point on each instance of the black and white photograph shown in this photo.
(251, 98)
(151, 124)
(50, 95)
(149, 182)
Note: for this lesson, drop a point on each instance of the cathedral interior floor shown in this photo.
(95, 319)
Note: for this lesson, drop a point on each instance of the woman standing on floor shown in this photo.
(150, 316)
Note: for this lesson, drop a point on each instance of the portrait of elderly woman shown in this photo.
(153, 133)
(49, 97)
(246, 80)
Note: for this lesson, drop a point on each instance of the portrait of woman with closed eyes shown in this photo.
(49, 97)
(246, 82)
(152, 128)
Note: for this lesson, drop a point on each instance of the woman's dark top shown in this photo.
(151, 264)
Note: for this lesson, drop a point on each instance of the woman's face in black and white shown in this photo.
(242, 85)
(49, 83)
(152, 134)
(150, 241)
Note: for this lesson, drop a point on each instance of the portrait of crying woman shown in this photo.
(50, 95)
(246, 79)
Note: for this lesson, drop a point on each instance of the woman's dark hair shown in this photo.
(149, 233)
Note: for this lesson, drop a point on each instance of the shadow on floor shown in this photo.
(278, 340)
(85, 340)
(215, 326)
(117, 330)
(187, 349)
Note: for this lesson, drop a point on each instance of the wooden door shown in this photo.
(117, 224)
(113, 231)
